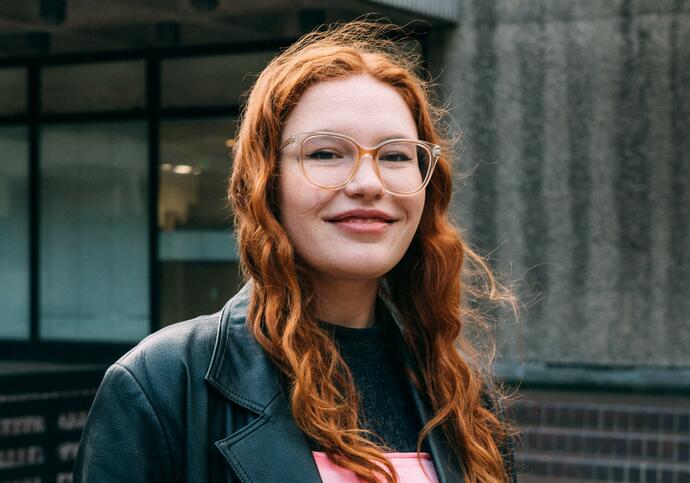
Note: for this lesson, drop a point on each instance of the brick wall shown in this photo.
(602, 437)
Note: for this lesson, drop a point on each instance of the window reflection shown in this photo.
(14, 230)
(196, 246)
(194, 166)
(94, 87)
(191, 288)
(13, 83)
(94, 253)
(210, 81)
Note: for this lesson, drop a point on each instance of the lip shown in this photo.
(363, 221)
(363, 214)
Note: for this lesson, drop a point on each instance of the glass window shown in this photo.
(210, 81)
(190, 288)
(196, 246)
(94, 255)
(195, 165)
(14, 227)
(13, 91)
(99, 86)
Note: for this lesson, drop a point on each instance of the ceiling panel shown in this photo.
(120, 25)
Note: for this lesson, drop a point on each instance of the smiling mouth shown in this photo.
(355, 219)
(362, 225)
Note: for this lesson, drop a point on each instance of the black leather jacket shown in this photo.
(199, 401)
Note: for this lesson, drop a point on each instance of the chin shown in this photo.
(365, 262)
(359, 271)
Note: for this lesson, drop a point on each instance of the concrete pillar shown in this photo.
(576, 123)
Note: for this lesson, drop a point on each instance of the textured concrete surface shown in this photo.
(576, 122)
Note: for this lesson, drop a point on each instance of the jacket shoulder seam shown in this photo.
(153, 410)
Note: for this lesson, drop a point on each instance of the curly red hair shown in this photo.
(283, 314)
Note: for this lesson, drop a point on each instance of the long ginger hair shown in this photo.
(426, 287)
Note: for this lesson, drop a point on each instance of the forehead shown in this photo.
(359, 106)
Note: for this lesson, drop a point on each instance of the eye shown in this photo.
(323, 155)
(395, 157)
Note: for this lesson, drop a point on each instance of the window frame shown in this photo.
(153, 114)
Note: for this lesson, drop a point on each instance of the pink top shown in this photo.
(410, 469)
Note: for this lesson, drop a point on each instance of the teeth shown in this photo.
(363, 220)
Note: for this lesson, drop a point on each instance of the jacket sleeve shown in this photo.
(123, 440)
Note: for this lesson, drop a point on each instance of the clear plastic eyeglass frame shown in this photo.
(434, 151)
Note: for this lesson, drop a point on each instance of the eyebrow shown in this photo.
(379, 140)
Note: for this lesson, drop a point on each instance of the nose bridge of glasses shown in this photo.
(361, 162)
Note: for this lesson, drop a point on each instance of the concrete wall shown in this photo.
(576, 122)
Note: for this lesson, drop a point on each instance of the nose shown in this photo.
(366, 183)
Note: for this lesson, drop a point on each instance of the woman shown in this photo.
(338, 361)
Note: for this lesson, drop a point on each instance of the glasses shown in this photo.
(331, 161)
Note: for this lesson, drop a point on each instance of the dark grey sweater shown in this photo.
(386, 406)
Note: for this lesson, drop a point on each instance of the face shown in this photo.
(357, 232)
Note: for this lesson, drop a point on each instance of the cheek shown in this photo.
(300, 205)
(416, 209)
(290, 197)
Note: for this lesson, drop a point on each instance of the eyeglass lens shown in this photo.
(329, 160)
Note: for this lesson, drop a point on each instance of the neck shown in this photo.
(350, 303)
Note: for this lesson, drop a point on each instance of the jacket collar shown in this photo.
(241, 372)
(239, 368)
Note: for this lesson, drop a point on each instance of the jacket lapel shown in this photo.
(270, 447)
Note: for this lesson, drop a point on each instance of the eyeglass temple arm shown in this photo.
(288, 141)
